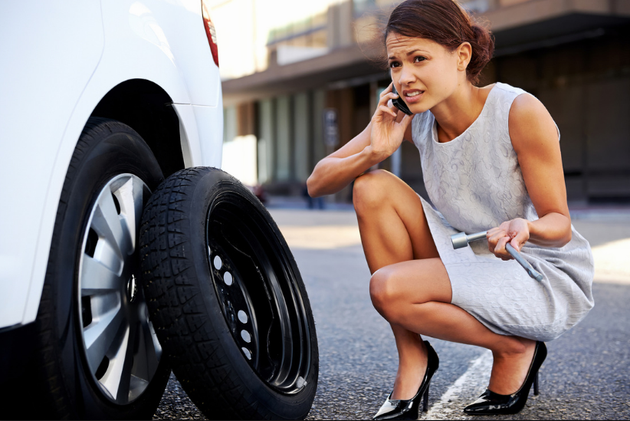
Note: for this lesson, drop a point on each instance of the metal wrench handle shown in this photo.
(476, 236)
(461, 240)
(533, 273)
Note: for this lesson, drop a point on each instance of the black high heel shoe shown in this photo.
(408, 409)
(490, 403)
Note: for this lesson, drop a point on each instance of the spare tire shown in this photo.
(226, 298)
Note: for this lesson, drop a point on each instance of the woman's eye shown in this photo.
(419, 58)
(394, 64)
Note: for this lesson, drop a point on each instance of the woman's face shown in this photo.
(424, 72)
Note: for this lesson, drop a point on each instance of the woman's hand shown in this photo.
(516, 232)
(376, 142)
(388, 126)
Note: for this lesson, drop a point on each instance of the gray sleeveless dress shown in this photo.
(475, 183)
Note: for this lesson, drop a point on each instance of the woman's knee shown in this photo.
(369, 190)
(384, 294)
(393, 295)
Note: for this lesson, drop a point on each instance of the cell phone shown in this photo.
(399, 103)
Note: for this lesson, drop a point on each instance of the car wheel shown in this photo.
(98, 352)
(227, 299)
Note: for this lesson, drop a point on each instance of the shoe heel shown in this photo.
(425, 400)
(536, 386)
(410, 409)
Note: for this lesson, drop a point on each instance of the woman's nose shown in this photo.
(406, 76)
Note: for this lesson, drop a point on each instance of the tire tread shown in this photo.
(176, 308)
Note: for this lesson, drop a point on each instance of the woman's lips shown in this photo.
(413, 95)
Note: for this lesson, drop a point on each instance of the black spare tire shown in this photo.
(227, 300)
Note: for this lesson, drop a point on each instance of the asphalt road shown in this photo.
(586, 375)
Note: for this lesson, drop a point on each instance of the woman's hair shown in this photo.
(444, 22)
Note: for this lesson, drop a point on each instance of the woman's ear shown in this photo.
(464, 54)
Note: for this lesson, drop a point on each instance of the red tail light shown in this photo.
(210, 32)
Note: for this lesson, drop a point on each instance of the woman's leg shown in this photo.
(415, 295)
(393, 230)
(411, 294)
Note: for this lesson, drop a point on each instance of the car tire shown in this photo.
(96, 354)
(227, 299)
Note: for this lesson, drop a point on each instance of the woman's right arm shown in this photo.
(338, 169)
(376, 142)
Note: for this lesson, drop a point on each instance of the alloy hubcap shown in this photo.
(119, 342)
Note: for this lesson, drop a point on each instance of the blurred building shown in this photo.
(301, 78)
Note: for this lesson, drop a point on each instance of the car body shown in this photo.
(149, 69)
(65, 61)
(111, 120)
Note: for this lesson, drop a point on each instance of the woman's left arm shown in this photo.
(535, 140)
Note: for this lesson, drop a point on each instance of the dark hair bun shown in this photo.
(482, 44)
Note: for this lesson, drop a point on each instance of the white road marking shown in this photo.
(474, 381)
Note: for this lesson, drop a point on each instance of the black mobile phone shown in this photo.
(399, 103)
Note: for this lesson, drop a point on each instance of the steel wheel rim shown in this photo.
(263, 308)
(120, 346)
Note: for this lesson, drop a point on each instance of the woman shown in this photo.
(491, 161)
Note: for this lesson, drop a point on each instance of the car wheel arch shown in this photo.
(147, 108)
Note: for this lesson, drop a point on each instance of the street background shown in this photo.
(585, 376)
(300, 82)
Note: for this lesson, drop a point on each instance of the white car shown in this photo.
(101, 100)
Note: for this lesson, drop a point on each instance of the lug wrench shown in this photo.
(461, 240)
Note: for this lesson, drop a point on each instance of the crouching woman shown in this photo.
(491, 161)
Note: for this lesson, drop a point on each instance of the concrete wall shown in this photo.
(585, 86)
(302, 129)
(266, 141)
(284, 141)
